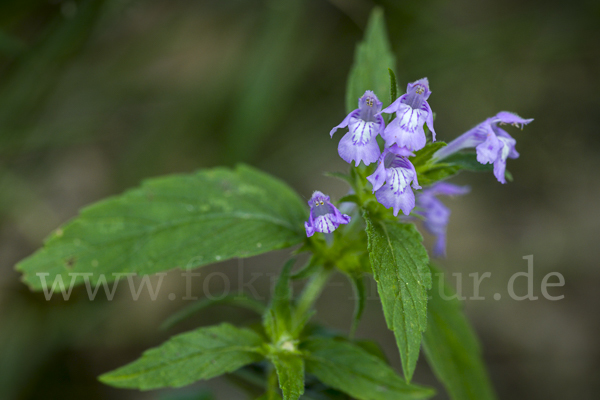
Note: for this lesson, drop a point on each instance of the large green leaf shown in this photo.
(451, 346)
(372, 61)
(352, 370)
(189, 357)
(176, 221)
(290, 372)
(401, 268)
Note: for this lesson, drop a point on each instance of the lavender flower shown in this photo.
(324, 216)
(412, 111)
(397, 172)
(492, 143)
(435, 214)
(364, 124)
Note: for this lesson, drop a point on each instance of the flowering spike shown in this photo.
(493, 144)
(324, 216)
(435, 213)
(397, 173)
(364, 124)
(412, 111)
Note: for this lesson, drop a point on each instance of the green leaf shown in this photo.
(352, 370)
(400, 267)
(423, 157)
(237, 300)
(393, 86)
(290, 371)
(468, 161)
(278, 318)
(437, 173)
(372, 60)
(465, 161)
(451, 346)
(189, 357)
(181, 221)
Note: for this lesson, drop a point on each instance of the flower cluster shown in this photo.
(395, 178)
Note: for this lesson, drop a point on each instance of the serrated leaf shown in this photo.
(290, 372)
(190, 357)
(400, 267)
(237, 300)
(181, 221)
(347, 367)
(451, 346)
(372, 60)
(278, 318)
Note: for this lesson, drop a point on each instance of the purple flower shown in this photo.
(324, 216)
(412, 111)
(435, 214)
(397, 172)
(492, 143)
(364, 124)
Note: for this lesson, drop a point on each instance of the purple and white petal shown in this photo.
(392, 108)
(487, 152)
(377, 179)
(389, 199)
(504, 153)
(344, 123)
(353, 151)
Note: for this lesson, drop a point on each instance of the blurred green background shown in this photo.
(97, 95)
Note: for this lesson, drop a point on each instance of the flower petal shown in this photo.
(309, 229)
(445, 188)
(345, 122)
(377, 179)
(404, 201)
(505, 117)
(399, 179)
(487, 152)
(392, 108)
(349, 151)
(395, 133)
(429, 120)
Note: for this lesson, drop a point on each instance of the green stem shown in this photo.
(311, 292)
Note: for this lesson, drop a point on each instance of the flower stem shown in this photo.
(311, 292)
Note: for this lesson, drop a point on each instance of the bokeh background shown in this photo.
(96, 95)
